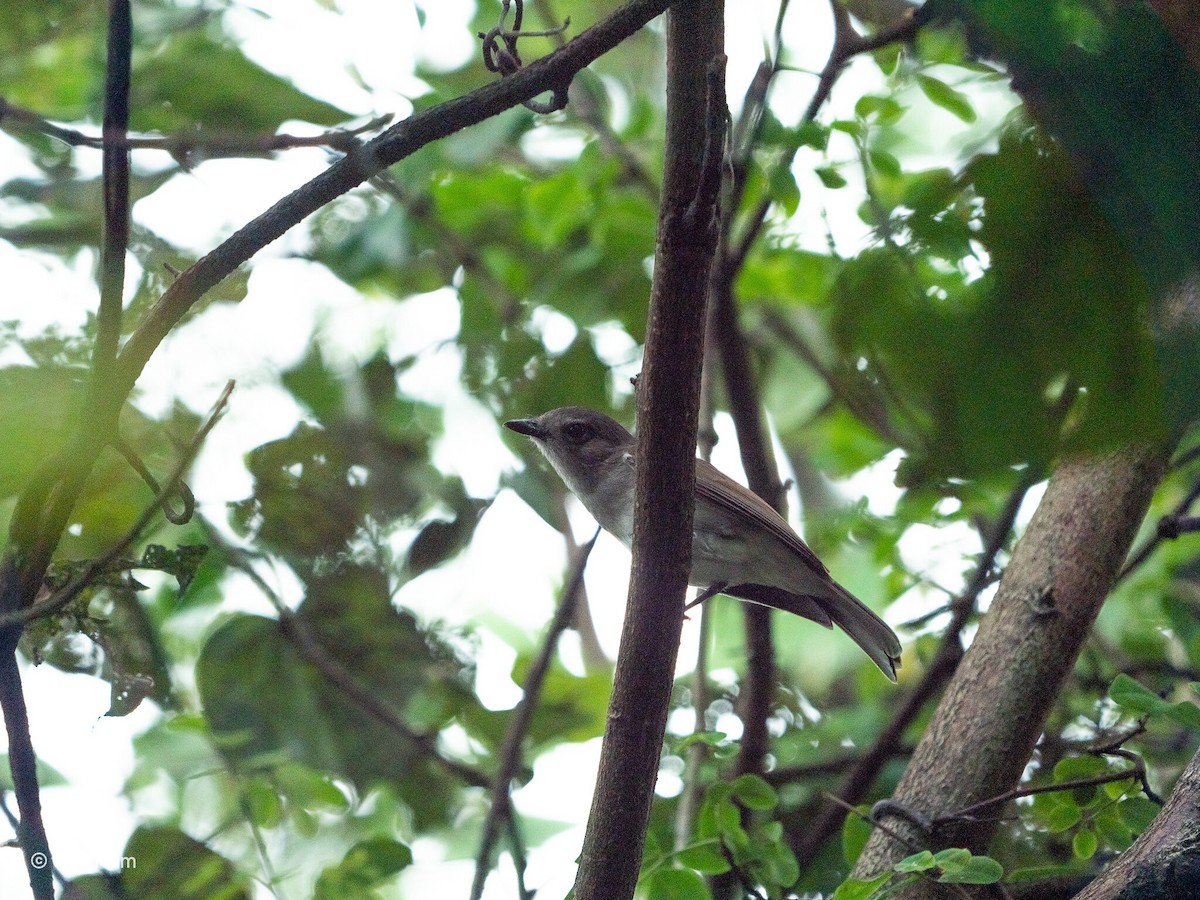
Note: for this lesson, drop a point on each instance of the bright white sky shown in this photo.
(289, 301)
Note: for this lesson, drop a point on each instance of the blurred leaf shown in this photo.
(960, 866)
(754, 793)
(366, 866)
(264, 694)
(172, 866)
(941, 94)
(672, 884)
(1084, 843)
(878, 109)
(856, 829)
(237, 96)
(1120, 95)
(784, 189)
(47, 775)
(261, 803)
(706, 858)
(1128, 693)
(830, 177)
(182, 562)
(36, 405)
(861, 889)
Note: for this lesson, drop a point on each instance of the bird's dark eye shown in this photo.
(578, 433)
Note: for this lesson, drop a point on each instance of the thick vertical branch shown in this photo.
(116, 188)
(668, 400)
(21, 572)
(995, 707)
(758, 460)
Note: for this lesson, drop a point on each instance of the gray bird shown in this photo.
(741, 546)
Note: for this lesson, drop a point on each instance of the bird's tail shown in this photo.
(843, 609)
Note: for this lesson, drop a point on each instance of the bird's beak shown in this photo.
(527, 427)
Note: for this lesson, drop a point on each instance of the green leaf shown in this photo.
(941, 94)
(237, 95)
(169, 865)
(1064, 817)
(830, 177)
(857, 889)
(847, 126)
(709, 738)
(261, 803)
(812, 134)
(705, 857)
(917, 862)
(673, 884)
(856, 830)
(1132, 695)
(1084, 843)
(784, 189)
(366, 866)
(47, 775)
(754, 792)
(1186, 713)
(884, 162)
(1138, 813)
(883, 110)
(264, 697)
(960, 866)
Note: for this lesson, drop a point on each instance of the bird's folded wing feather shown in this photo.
(721, 490)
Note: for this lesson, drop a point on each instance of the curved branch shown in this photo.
(398, 142)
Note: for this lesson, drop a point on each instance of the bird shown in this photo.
(740, 545)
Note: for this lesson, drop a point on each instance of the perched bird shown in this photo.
(741, 546)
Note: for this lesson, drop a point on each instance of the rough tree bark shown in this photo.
(1164, 863)
(668, 401)
(985, 728)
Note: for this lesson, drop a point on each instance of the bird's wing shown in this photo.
(721, 490)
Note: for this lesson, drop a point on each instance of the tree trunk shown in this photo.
(994, 709)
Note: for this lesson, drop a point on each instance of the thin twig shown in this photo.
(1167, 528)
(116, 192)
(847, 44)
(1137, 773)
(187, 144)
(518, 725)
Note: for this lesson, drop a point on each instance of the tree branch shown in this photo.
(207, 144)
(668, 399)
(981, 736)
(398, 142)
(1162, 863)
(510, 751)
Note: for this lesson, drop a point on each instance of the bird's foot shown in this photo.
(711, 591)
